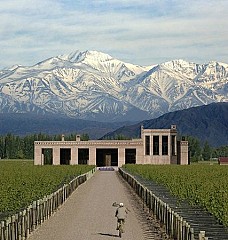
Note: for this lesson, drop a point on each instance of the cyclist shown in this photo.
(121, 213)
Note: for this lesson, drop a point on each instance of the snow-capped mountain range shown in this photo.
(95, 86)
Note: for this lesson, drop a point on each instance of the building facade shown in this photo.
(156, 146)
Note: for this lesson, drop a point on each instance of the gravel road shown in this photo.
(88, 213)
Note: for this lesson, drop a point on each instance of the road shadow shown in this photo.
(108, 234)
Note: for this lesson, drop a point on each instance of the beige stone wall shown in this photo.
(92, 145)
(184, 152)
(158, 159)
(140, 155)
(121, 156)
(92, 156)
(121, 145)
(56, 155)
(38, 155)
(74, 156)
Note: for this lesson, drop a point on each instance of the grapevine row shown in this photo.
(201, 185)
(22, 183)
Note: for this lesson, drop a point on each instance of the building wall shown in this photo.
(143, 155)
(159, 158)
(92, 145)
(223, 160)
(182, 153)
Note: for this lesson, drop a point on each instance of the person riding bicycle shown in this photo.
(121, 213)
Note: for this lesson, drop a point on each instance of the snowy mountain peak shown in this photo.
(14, 67)
(72, 57)
(94, 85)
(214, 64)
(178, 64)
(98, 56)
(79, 56)
(188, 69)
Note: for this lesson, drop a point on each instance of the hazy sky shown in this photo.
(142, 32)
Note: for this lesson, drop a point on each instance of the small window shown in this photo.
(164, 145)
(156, 145)
(173, 144)
(147, 145)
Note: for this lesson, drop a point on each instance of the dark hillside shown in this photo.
(208, 123)
(25, 124)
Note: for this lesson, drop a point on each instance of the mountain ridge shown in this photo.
(207, 123)
(26, 124)
(92, 85)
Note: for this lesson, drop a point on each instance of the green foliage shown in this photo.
(14, 147)
(194, 148)
(22, 182)
(199, 153)
(207, 151)
(117, 137)
(85, 137)
(221, 151)
(72, 137)
(203, 185)
(122, 137)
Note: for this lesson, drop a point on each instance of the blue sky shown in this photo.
(140, 32)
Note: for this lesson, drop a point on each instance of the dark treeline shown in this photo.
(204, 152)
(17, 147)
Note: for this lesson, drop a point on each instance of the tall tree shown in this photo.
(207, 151)
(194, 148)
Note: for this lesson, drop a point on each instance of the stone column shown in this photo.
(56, 155)
(140, 154)
(151, 145)
(121, 156)
(37, 155)
(74, 155)
(42, 159)
(175, 145)
(92, 156)
(160, 145)
(184, 152)
(169, 145)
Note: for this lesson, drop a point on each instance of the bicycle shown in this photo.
(121, 227)
(121, 220)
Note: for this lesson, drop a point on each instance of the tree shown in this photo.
(121, 137)
(85, 137)
(194, 148)
(2, 146)
(207, 151)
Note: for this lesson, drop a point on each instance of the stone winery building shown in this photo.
(156, 146)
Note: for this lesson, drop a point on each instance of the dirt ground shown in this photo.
(88, 214)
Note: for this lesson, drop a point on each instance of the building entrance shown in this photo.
(65, 156)
(107, 157)
(47, 155)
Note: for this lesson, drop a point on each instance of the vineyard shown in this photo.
(22, 182)
(202, 185)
